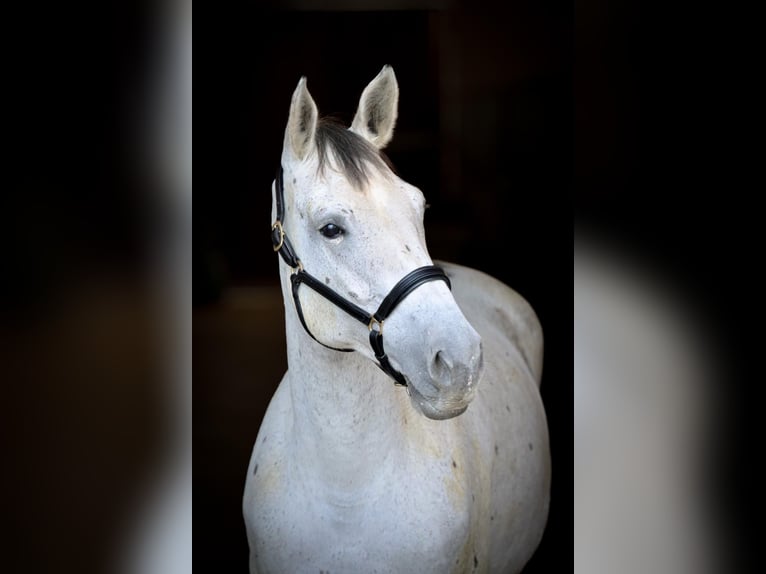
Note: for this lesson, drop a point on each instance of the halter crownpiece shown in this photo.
(373, 321)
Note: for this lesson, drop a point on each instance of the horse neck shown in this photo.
(348, 416)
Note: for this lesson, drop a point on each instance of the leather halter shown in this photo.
(373, 321)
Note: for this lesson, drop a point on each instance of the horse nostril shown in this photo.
(443, 359)
(440, 367)
(458, 375)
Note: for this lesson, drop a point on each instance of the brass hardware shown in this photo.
(278, 226)
(373, 322)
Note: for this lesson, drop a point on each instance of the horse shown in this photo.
(426, 454)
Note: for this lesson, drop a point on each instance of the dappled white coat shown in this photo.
(350, 473)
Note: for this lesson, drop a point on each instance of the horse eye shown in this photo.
(331, 231)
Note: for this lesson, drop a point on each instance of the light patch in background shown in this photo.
(645, 380)
(160, 539)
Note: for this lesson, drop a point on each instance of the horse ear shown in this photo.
(378, 108)
(302, 122)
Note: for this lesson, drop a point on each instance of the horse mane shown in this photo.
(354, 155)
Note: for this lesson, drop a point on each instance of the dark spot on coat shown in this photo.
(255, 470)
(507, 408)
(473, 498)
(475, 561)
(353, 295)
(407, 247)
(491, 517)
(295, 180)
(327, 280)
(531, 447)
(454, 464)
(512, 332)
(265, 438)
(496, 450)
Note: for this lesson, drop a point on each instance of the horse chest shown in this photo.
(421, 517)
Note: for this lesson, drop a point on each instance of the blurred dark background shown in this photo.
(84, 349)
(508, 112)
(485, 130)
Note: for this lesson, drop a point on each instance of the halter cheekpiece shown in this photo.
(373, 321)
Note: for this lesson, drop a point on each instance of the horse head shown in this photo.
(350, 230)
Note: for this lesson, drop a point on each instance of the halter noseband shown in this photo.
(373, 321)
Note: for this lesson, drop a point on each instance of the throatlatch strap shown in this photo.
(333, 297)
(296, 279)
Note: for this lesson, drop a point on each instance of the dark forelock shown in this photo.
(353, 154)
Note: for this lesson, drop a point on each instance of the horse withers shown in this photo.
(408, 434)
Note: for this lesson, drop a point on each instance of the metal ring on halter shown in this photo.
(373, 322)
(278, 226)
(298, 267)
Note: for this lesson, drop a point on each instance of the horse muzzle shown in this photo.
(453, 373)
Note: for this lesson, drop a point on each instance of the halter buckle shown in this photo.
(373, 322)
(277, 226)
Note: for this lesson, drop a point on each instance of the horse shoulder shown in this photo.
(492, 306)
